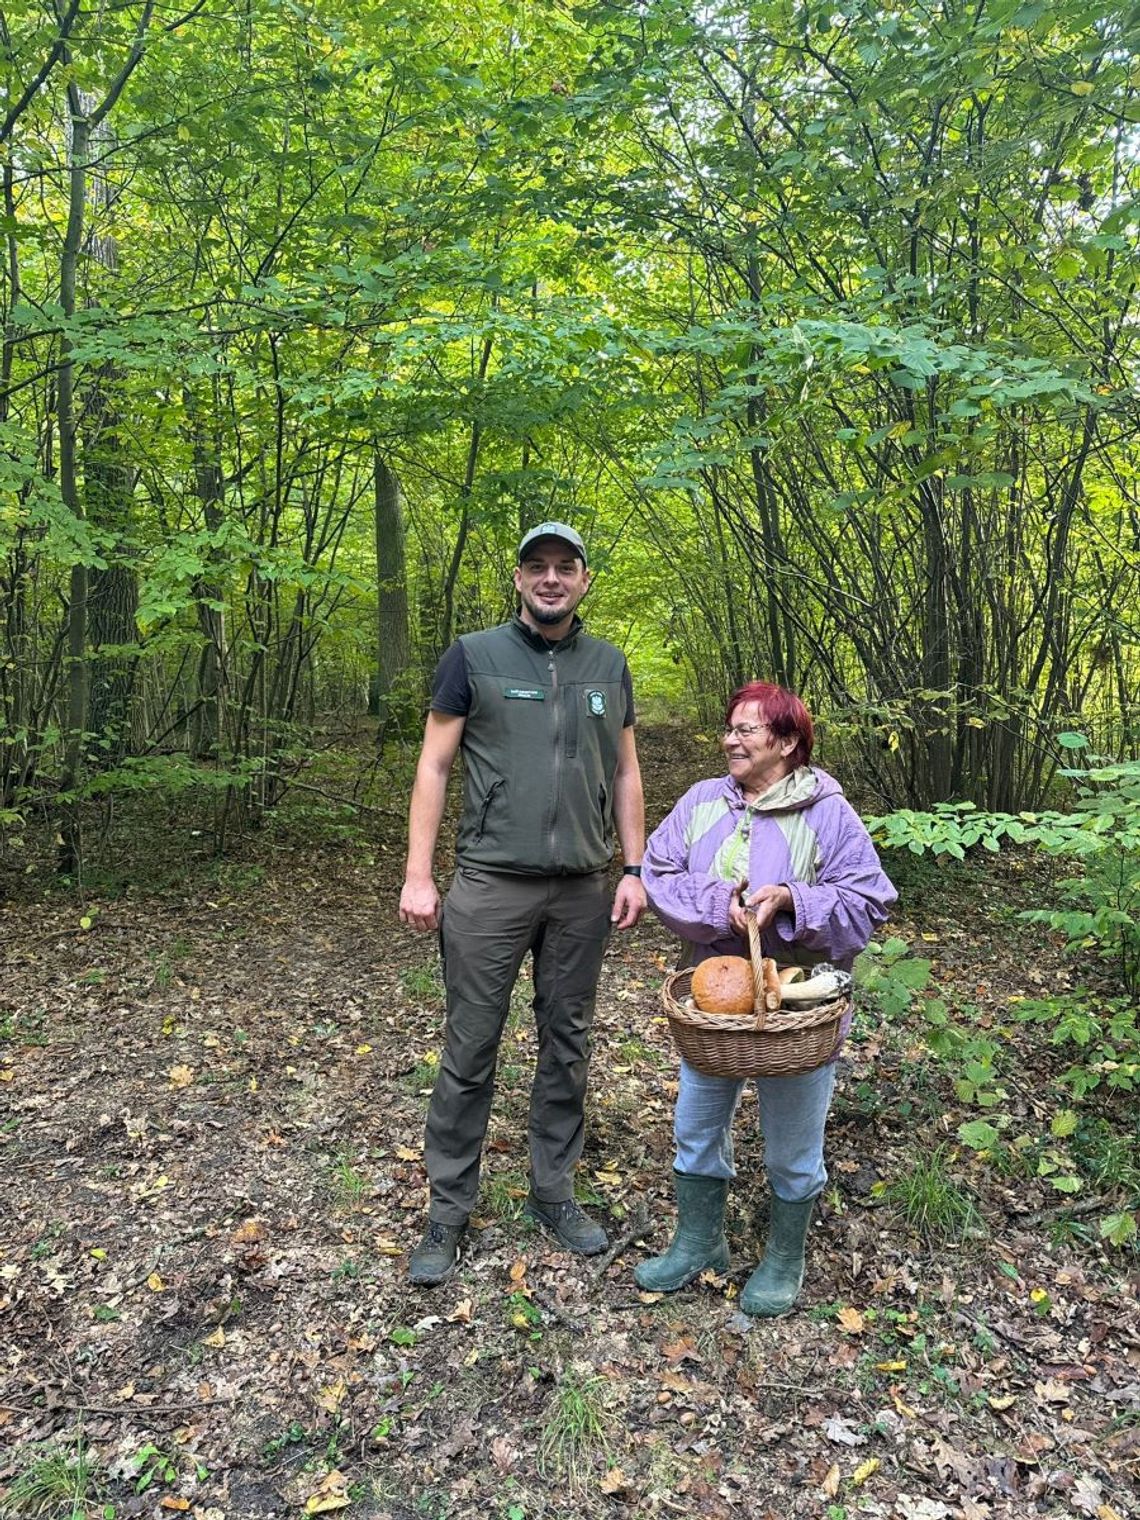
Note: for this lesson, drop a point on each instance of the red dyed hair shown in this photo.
(783, 712)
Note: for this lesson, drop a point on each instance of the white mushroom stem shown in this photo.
(827, 985)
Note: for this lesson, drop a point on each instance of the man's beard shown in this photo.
(547, 616)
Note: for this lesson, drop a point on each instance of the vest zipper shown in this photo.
(555, 698)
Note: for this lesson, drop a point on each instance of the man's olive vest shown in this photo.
(540, 749)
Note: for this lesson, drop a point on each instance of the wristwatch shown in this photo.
(631, 870)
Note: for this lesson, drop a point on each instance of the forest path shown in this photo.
(211, 1110)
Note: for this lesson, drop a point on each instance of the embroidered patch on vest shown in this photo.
(527, 693)
(596, 702)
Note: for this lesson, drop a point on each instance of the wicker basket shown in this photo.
(760, 1044)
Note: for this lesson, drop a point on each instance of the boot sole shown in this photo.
(432, 1279)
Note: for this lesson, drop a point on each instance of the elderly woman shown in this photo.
(775, 837)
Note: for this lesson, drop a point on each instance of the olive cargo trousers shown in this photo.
(490, 920)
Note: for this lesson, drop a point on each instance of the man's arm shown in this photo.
(419, 900)
(629, 820)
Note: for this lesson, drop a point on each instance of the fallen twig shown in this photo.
(1058, 1211)
(146, 1410)
(638, 1224)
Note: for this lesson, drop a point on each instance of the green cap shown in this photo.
(553, 530)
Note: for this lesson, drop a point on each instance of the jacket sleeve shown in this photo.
(692, 903)
(838, 913)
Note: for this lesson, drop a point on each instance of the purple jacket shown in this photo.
(803, 834)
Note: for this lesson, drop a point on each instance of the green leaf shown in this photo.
(978, 1135)
(1064, 1123)
(1118, 1229)
(1066, 1184)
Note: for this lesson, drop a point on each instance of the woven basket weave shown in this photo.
(760, 1044)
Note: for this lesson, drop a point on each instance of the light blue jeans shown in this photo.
(793, 1112)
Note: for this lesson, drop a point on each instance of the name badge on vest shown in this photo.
(596, 704)
(525, 693)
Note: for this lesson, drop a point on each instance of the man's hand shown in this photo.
(629, 903)
(419, 905)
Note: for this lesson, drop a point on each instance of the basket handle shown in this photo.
(757, 953)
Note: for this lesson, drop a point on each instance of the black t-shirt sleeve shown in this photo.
(451, 689)
(627, 687)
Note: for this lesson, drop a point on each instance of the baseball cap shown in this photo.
(553, 530)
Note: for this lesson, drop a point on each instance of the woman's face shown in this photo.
(756, 758)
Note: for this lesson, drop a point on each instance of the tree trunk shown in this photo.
(393, 646)
(70, 844)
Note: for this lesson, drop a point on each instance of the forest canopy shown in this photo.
(817, 321)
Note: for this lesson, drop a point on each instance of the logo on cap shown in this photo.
(561, 530)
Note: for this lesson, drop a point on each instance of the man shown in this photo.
(544, 716)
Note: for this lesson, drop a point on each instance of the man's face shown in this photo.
(551, 581)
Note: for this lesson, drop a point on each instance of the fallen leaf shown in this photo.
(406, 1153)
(1001, 1401)
(463, 1313)
(922, 1509)
(180, 1076)
(503, 1454)
(830, 1484)
(217, 1339)
(1088, 1495)
(155, 1283)
(838, 1430)
(331, 1397)
(864, 1471)
(614, 1482)
(172, 1501)
(851, 1321)
(364, 1050)
(247, 1233)
(682, 1350)
(1051, 1392)
(332, 1494)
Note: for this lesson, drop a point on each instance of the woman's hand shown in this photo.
(765, 902)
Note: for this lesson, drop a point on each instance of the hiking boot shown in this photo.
(698, 1243)
(568, 1224)
(437, 1255)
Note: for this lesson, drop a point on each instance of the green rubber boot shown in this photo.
(775, 1285)
(698, 1243)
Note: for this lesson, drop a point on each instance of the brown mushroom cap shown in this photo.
(723, 984)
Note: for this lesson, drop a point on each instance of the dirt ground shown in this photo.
(212, 1092)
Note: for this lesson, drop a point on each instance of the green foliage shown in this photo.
(152, 1465)
(347, 1184)
(57, 1483)
(1106, 1036)
(1101, 831)
(575, 1430)
(888, 976)
(932, 1203)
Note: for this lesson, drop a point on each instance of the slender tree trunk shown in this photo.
(75, 723)
(207, 723)
(393, 633)
(108, 491)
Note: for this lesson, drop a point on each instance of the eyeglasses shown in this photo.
(743, 730)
